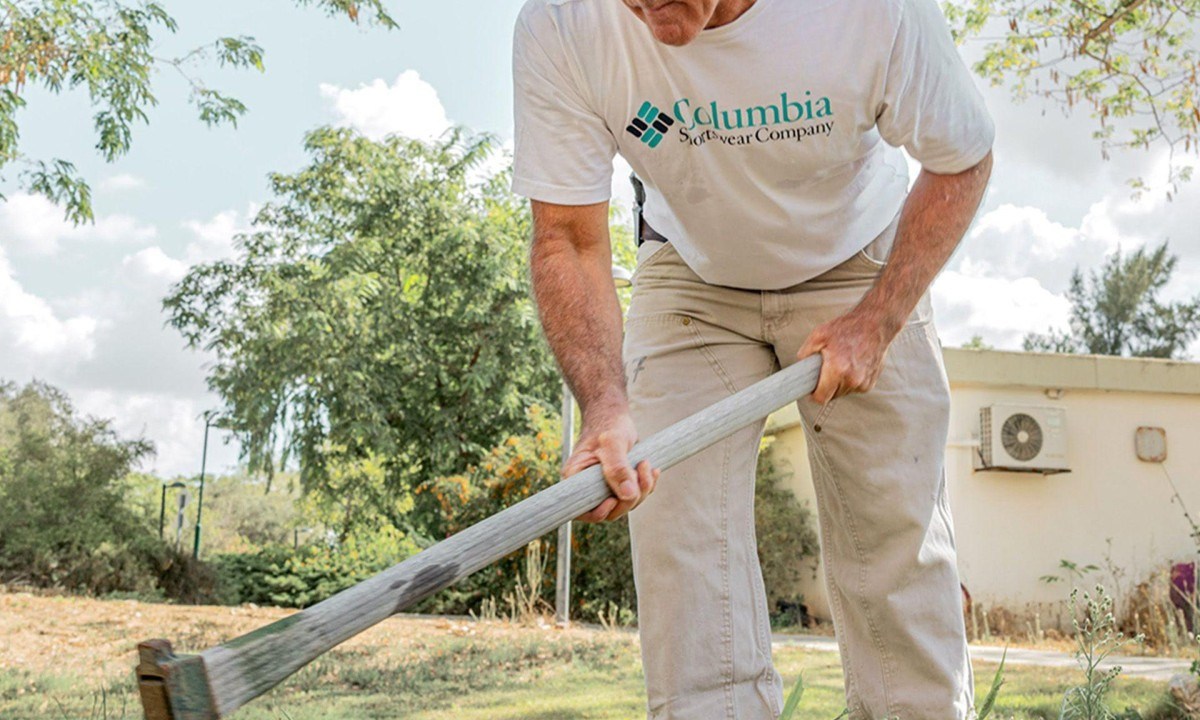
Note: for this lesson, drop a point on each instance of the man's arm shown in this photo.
(571, 261)
(936, 215)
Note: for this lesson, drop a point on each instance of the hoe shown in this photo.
(220, 680)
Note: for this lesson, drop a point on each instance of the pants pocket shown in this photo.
(648, 254)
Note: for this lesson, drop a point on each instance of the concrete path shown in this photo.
(1147, 668)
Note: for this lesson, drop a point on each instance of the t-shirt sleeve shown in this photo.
(563, 149)
(930, 104)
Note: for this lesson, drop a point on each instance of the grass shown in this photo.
(530, 674)
(72, 658)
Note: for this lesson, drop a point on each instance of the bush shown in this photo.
(302, 576)
(64, 519)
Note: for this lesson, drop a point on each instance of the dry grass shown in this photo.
(69, 658)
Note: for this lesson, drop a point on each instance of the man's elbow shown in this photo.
(559, 229)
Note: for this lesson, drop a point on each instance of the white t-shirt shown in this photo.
(768, 146)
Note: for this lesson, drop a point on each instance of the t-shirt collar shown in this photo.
(734, 29)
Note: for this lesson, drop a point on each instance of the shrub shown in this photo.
(64, 519)
(302, 576)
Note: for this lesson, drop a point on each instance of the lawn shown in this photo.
(70, 658)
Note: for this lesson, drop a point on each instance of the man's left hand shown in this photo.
(852, 349)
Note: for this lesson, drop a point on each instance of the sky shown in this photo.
(80, 307)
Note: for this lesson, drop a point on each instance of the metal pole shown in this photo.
(562, 594)
(162, 511)
(200, 508)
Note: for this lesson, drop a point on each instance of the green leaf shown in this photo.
(989, 701)
(793, 700)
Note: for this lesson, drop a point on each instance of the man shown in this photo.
(780, 226)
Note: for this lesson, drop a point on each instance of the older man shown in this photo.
(778, 224)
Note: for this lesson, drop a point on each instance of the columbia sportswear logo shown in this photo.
(650, 125)
(794, 117)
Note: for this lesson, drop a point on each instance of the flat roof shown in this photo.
(1005, 368)
(1001, 368)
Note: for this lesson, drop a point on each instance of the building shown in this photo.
(1112, 508)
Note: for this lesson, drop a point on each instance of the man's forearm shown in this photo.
(935, 217)
(581, 318)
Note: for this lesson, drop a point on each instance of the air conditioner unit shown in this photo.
(1023, 438)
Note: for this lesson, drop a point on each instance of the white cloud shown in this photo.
(174, 424)
(105, 342)
(211, 239)
(1013, 242)
(33, 225)
(35, 339)
(409, 107)
(155, 264)
(142, 376)
(1000, 310)
(122, 181)
(1011, 274)
(214, 238)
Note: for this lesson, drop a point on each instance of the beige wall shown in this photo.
(1014, 528)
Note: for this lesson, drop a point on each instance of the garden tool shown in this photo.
(221, 679)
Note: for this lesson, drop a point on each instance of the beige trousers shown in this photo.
(887, 542)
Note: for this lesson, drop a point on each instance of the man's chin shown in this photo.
(673, 33)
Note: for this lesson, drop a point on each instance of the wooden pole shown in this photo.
(221, 679)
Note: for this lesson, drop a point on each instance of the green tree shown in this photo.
(977, 343)
(1117, 311)
(377, 325)
(106, 49)
(241, 513)
(64, 519)
(1132, 63)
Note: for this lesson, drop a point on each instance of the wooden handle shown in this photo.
(230, 675)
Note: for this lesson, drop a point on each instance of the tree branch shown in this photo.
(1121, 11)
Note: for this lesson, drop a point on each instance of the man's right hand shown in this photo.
(607, 443)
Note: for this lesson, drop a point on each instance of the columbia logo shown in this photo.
(650, 125)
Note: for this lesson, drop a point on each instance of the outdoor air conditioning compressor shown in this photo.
(1023, 438)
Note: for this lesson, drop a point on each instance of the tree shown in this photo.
(977, 343)
(377, 325)
(1132, 62)
(1117, 311)
(240, 513)
(106, 48)
(64, 519)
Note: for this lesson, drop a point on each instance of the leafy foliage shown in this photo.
(64, 519)
(977, 343)
(242, 513)
(377, 325)
(1133, 63)
(601, 567)
(1117, 310)
(106, 49)
(522, 465)
(298, 577)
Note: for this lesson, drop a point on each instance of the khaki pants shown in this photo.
(887, 542)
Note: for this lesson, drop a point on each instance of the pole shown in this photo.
(162, 511)
(200, 507)
(562, 587)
